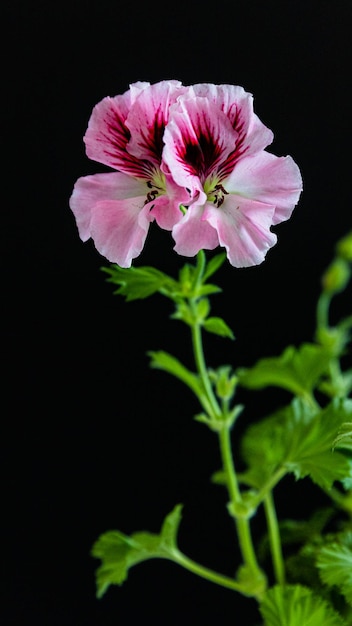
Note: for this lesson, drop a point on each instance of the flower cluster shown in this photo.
(191, 158)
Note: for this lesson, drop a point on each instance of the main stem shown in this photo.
(242, 523)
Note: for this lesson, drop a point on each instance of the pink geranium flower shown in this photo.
(215, 147)
(115, 209)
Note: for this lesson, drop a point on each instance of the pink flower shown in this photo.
(115, 209)
(215, 147)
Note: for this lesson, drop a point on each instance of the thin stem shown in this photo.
(198, 343)
(269, 485)
(242, 524)
(206, 573)
(274, 538)
(202, 369)
(227, 460)
(323, 307)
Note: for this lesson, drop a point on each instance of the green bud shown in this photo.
(225, 383)
(344, 247)
(334, 339)
(336, 276)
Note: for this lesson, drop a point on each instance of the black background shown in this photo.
(92, 438)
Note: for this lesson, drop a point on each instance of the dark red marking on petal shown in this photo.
(115, 140)
(227, 167)
(152, 137)
(201, 157)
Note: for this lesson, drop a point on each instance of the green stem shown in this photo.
(202, 370)
(274, 539)
(242, 523)
(269, 485)
(206, 573)
(323, 307)
(198, 343)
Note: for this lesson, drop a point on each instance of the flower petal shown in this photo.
(107, 135)
(147, 119)
(193, 233)
(198, 138)
(167, 210)
(237, 105)
(270, 179)
(243, 228)
(110, 208)
(119, 229)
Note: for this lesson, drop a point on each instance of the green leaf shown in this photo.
(217, 326)
(202, 308)
(213, 265)
(298, 370)
(170, 528)
(119, 552)
(168, 363)
(335, 565)
(343, 438)
(311, 452)
(207, 290)
(139, 282)
(295, 605)
(299, 440)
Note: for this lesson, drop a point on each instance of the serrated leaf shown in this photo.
(296, 605)
(168, 363)
(217, 326)
(299, 440)
(298, 370)
(119, 552)
(335, 565)
(138, 282)
(311, 452)
(344, 437)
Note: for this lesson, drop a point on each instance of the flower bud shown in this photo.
(344, 247)
(336, 276)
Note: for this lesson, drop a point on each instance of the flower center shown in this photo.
(216, 193)
(156, 185)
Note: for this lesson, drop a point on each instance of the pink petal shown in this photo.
(198, 138)
(110, 209)
(166, 210)
(237, 104)
(243, 228)
(270, 179)
(148, 117)
(193, 233)
(107, 135)
(119, 229)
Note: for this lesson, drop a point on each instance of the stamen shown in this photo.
(156, 184)
(151, 195)
(219, 196)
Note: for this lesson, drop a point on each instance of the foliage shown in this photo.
(120, 552)
(310, 579)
